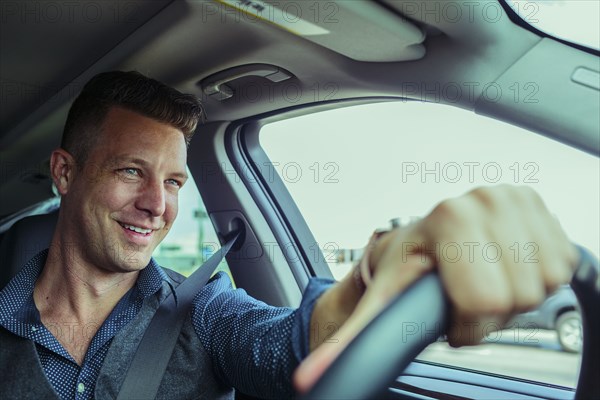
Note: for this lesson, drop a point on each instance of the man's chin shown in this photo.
(132, 263)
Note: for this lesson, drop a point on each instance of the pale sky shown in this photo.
(384, 175)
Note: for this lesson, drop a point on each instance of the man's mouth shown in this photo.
(137, 229)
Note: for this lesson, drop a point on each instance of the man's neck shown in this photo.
(74, 298)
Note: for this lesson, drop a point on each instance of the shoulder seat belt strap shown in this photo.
(154, 351)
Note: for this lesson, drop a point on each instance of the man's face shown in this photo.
(124, 201)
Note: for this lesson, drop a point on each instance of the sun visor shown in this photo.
(361, 30)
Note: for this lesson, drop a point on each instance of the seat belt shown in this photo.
(154, 351)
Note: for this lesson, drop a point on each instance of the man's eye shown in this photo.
(130, 171)
(128, 174)
(174, 182)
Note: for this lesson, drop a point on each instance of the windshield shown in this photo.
(577, 21)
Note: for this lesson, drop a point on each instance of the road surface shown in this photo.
(524, 354)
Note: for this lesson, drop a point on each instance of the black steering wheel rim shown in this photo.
(420, 313)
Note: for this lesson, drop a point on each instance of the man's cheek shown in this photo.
(118, 195)
(171, 211)
(160, 235)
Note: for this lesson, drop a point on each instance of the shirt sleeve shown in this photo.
(254, 347)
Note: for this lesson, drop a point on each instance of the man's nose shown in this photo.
(152, 198)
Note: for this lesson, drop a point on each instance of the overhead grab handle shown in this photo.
(216, 87)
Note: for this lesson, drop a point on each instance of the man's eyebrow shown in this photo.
(118, 160)
(180, 175)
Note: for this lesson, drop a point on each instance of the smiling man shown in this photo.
(71, 320)
(119, 202)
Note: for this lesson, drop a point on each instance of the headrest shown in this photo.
(24, 240)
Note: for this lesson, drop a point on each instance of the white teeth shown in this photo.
(137, 229)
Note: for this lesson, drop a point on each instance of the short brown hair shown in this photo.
(132, 91)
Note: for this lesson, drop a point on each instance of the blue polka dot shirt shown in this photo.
(234, 329)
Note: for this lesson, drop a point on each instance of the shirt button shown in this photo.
(33, 329)
(81, 388)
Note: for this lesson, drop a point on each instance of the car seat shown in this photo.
(23, 241)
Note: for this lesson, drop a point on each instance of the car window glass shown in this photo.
(351, 170)
(192, 238)
(577, 21)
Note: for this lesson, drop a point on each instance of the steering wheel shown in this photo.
(417, 317)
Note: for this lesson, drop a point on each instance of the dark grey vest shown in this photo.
(189, 373)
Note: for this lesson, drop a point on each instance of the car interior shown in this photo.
(254, 63)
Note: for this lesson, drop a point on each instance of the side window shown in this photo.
(354, 169)
(192, 239)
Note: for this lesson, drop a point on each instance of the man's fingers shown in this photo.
(499, 252)
(557, 256)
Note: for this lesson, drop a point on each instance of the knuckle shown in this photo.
(451, 210)
(493, 197)
(486, 196)
(527, 195)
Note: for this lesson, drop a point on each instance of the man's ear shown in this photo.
(62, 169)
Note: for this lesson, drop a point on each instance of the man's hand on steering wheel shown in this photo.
(498, 252)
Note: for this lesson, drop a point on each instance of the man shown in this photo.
(121, 164)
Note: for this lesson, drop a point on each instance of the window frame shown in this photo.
(289, 226)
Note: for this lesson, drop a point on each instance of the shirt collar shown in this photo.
(151, 279)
